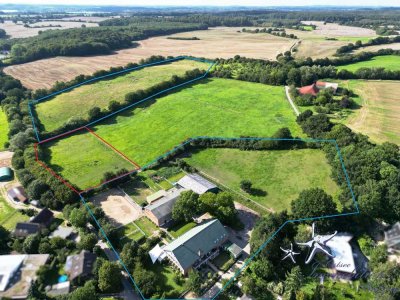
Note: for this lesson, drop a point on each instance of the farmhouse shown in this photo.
(197, 246)
(392, 237)
(314, 88)
(17, 194)
(43, 218)
(197, 184)
(80, 265)
(17, 272)
(160, 211)
(23, 229)
(6, 174)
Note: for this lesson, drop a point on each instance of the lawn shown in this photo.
(179, 229)
(83, 159)
(389, 62)
(3, 129)
(129, 233)
(77, 102)
(277, 176)
(9, 216)
(137, 190)
(168, 280)
(146, 226)
(205, 108)
(378, 116)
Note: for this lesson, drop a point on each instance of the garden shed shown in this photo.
(6, 174)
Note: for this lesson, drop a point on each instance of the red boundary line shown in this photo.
(64, 181)
(112, 147)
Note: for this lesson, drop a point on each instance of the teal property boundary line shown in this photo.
(264, 245)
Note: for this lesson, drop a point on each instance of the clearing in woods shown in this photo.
(225, 42)
(278, 176)
(378, 116)
(56, 111)
(199, 110)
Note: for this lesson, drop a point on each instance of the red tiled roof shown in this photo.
(309, 89)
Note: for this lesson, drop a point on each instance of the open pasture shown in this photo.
(375, 48)
(215, 107)
(277, 176)
(389, 62)
(216, 42)
(379, 114)
(54, 112)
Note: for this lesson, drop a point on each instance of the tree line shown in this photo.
(372, 42)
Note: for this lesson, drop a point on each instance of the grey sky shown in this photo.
(213, 2)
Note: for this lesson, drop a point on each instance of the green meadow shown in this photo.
(277, 176)
(77, 102)
(389, 62)
(3, 129)
(214, 107)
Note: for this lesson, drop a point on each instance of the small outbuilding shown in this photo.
(43, 218)
(23, 229)
(17, 194)
(392, 237)
(6, 174)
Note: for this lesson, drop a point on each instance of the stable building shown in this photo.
(160, 210)
(197, 184)
(6, 174)
(197, 246)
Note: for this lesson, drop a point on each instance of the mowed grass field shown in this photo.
(214, 107)
(77, 102)
(3, 129)
(379, 114)
(83, 159)
(277, 176)
(389, 62)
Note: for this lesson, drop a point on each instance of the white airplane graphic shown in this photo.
(290, 253)
(317, 244)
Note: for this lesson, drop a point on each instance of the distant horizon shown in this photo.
(209, 3)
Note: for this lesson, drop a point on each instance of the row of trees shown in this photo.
(274, 31)
(130, 98)
(359, 44)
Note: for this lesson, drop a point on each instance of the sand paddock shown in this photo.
(117, 207)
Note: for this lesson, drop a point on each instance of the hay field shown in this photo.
(277, 176)
(394, 46)
(54, 112)
(379, 115)
(19, 31)
(216, 42)
(314, 44)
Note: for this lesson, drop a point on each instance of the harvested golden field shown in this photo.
(19, 31)
(394, 46)
(315, 44)
(216, 42)
(379, 115)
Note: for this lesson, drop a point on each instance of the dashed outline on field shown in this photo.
(172, 151)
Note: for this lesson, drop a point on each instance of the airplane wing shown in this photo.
(327, 238)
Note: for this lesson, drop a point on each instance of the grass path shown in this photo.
(277, 176)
